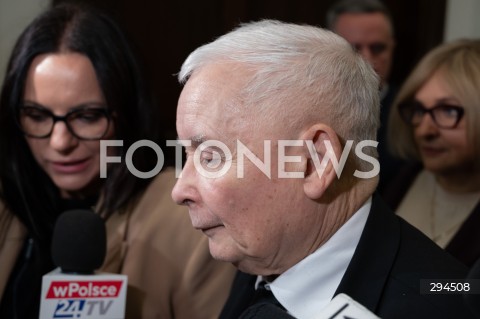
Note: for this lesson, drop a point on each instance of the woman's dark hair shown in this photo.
(25, 188)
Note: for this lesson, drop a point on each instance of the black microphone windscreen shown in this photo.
(79, 241)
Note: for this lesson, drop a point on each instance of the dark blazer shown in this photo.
(388, 163)
(385, 272)
(465, 245)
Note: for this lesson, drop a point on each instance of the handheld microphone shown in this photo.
(73, 290)
(79, 242)
(342, 306)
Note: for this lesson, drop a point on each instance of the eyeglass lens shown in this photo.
(86, 123)
(444, 115)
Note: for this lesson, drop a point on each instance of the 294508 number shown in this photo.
(449, 286)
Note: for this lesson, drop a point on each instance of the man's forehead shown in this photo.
(209, 82)
(363, 24)
(236, 72)
(209, 108)
(214, 89)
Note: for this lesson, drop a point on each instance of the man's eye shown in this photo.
(378, 48)
(211, 159)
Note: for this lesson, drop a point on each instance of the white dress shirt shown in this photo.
(306, 288)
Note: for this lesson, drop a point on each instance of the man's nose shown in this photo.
(184, 192)
(366, 53)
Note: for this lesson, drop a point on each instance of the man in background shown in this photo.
(368, 26)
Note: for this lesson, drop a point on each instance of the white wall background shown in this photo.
(462, 19)
(15, 15)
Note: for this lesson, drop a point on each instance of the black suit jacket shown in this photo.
(388, 163)
(385, 272)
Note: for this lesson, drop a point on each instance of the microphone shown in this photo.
(340, 307)
(74, 290)
(343, 307)
(79, 242)
(473, 299)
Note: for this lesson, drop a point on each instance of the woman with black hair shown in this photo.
(71, 82)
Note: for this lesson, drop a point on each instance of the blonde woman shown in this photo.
(435, 123)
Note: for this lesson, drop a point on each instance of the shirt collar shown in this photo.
(307, 287)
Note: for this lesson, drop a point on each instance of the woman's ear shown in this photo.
(324, 159)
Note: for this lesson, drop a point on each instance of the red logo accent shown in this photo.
(84, 289)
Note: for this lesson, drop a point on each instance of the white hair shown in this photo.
(300, 74)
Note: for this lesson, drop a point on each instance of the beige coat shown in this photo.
(169, 268)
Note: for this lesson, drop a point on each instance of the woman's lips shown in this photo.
(431, 151)
(70, 167)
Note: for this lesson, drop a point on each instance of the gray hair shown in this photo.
(301, 73)
(356, 6)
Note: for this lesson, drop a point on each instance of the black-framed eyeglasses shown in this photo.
(86, 123)
(444, 115)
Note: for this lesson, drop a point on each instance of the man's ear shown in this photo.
(322, 144)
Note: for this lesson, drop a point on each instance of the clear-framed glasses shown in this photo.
(444, 115)
(86, 123)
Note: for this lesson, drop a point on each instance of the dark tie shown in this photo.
(264, 305)
(264, 295)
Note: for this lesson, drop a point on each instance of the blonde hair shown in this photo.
(459, 63)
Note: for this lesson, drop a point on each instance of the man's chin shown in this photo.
(221, 253)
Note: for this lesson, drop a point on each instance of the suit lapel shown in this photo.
(462, 246)
(374, 257)
(241, 295)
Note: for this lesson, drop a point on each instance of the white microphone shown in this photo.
(74, 290)
(344, 307)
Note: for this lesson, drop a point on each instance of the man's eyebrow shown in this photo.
(196, 140)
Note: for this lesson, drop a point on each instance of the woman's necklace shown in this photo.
(439, 230)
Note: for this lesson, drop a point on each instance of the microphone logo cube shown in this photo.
(83, 296)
